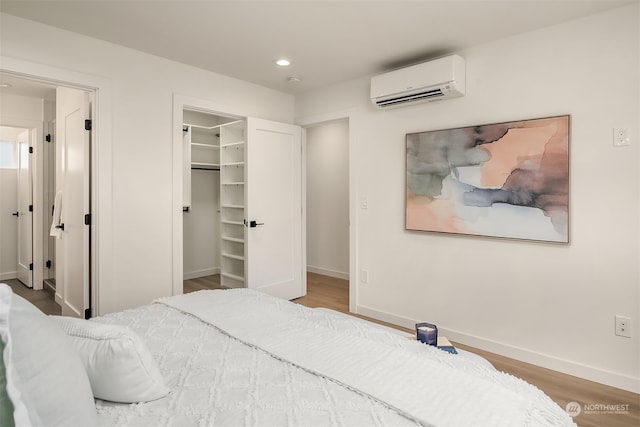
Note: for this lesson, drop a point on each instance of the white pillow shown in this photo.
(119, 364)
(46, 381)
(10, 401)
(6, 405)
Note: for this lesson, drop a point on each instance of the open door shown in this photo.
(72, 180)
(25, 210)
(274, 253)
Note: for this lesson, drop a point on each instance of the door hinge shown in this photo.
(87, 124)
(48, 263)
(30, 208)
(87, 313)
(31, 266)
(87, 219)
(48, 137)
(30, 150)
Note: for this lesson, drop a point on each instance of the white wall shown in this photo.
(20, 107)
(548, 304)
(135, 229)
(328, 199)
(202, 226)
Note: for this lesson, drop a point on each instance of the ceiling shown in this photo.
(25, 87)
(326, 41)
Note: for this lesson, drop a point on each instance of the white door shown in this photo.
(72, 178)
(274, 209)
(25, 211)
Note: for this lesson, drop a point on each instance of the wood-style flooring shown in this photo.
(323, 291)
(202, 283)
(41, 299)
(329, 292)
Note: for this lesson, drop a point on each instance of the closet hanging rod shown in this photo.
(210, 127)
(205, 169)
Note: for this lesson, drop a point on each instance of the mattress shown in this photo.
(242, 358)
(218, 380)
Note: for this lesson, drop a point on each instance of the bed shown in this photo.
(243, 358)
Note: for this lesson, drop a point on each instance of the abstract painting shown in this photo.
(506, 180)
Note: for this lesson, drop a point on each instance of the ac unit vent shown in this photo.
(411, 98)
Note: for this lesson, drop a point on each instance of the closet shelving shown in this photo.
(201, 150)
(232, 203)
(205, 147)
(221, 147)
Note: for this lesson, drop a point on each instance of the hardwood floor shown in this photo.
(41, 299)
(333, 293)
(323, 291)
(202, 283)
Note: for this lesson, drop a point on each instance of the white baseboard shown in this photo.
(200, 273)
(327, 272)
(591, 373)
(9, 275)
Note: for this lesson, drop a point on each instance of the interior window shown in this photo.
(8, 157)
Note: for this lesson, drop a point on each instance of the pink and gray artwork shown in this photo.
(501, 180)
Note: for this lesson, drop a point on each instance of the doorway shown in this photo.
(327, 189)
(328, 199)
(201, 200)
(16, 225)
(25, 105)
(36, 102)
(262, 215)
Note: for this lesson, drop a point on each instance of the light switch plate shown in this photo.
(621, 137)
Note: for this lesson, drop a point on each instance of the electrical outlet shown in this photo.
(621, 137)
(623, 326)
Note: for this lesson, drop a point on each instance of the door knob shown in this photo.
(16, 214)
(60, 226)
(252, 224)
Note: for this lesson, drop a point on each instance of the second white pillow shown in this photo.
(118, 363)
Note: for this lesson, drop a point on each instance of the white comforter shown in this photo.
(290, 365)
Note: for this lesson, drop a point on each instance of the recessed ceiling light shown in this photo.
(5, 85)
(283, 62)
(294, 79)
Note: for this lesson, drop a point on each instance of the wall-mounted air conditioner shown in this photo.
(441, 78)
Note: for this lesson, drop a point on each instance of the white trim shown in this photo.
(8, 275)
(210, 128)
(47, 198)
(102, 270)
(36, 139)
(327, 272)
(319, 119)
(303, 206)
(200, 273)
(177, 270)
(37, 198)
(591, 373)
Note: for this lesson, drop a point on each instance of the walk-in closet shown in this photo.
(242, 206)
(214, 197)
